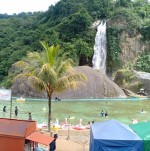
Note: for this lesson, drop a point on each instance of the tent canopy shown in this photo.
(112, 135)
(107, 129)
(142, 129)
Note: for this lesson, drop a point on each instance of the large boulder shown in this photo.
(22, 88)
(98, 85)
(127, 79)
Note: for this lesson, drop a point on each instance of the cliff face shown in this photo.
(131, 46)
(130, 40)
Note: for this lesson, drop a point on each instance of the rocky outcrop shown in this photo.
(98, 85)
(95, 24)
(131, 46)
(22, 88)
(145, 78)
(133, 81)
(127, 79)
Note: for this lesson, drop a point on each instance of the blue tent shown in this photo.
(112, 135)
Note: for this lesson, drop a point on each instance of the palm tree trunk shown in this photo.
(49, 114)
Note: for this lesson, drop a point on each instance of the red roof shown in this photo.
(40, 138)
(13, 127)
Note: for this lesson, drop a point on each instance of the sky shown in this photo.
(17, 6)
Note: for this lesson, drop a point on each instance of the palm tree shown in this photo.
(50, 71)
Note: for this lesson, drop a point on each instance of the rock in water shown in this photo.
(97, 86)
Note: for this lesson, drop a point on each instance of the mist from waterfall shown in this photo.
(99, 57)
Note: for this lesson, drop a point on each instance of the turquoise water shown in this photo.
(92, 99)
(121, 109)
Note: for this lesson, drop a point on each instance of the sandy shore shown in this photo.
(77, 140)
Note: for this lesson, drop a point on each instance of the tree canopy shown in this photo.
(68, 23)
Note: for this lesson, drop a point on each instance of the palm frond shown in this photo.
(44, 44)
(37, 83)
(77, 77)
(33, 55)
(51, 53)
(21, 76)
(62, 84)
(48, 74)
(70, 82)
(35, 59)
(64, 66)
(21, 64)
(47, 54)
(76, 84)
(56, 51)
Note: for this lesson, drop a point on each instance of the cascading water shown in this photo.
(99, 57)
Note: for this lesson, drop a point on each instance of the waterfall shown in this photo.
(99, 57)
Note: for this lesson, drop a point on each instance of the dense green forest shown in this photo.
(68, 23)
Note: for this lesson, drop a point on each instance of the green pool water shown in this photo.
(123, 110)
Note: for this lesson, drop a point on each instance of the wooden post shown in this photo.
(10, 107)
(68, 136)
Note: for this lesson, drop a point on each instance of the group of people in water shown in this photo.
(104, 114)
(57, 99)
(16, 112)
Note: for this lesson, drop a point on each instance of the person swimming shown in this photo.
(142, 111)
(134, 121)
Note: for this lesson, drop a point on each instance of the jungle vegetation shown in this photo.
(68, 23)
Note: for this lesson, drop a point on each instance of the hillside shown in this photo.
(68, 23)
